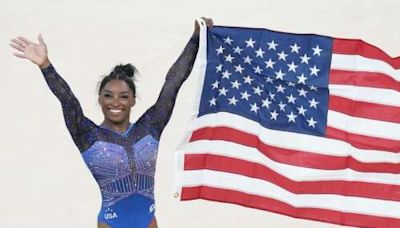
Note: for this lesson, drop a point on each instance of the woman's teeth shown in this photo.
(115, 110)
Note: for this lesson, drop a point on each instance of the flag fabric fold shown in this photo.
(299, 124)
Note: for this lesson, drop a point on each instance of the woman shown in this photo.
(120, 155)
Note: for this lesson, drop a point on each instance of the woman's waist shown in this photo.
(133, 206)
(127, 185)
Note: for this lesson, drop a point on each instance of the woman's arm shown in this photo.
(157, 116)
(78, 125)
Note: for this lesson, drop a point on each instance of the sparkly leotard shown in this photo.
(124, 164)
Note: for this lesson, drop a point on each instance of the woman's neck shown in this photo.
(121, 128)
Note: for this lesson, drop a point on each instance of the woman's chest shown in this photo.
(111, 159)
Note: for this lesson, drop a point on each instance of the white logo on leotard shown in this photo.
(110, 214)
(152, 208)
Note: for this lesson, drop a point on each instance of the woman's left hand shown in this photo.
(209, 23)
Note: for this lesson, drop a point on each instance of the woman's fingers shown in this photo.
(23, 39)
(19, 55)
(209, 22)
(19, 42)
(40, 38)
(17, 46)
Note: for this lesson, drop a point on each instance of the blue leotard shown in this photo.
(124, 164)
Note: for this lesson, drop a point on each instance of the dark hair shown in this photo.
(123, 72)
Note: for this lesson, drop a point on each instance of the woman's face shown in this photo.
(116, 100)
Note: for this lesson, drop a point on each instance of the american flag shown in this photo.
(302, 125)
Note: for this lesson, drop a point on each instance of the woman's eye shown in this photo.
(107, 95)
(125, 97)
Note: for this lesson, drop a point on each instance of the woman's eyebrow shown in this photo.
(109, 91)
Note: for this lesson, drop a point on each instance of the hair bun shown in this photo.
(122, 72)
(127, 69)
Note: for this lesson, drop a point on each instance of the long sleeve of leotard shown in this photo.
(78, 125)
(158, 115)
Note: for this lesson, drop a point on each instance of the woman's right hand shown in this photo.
(35, 52)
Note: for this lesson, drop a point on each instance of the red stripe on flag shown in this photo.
(255, 170)
(363, 141)
(361, 78)
(254, 201)
(292, 157)
(359, 47)
(364, 109)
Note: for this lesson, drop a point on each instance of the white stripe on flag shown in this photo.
(296, 173)
(263, 188)
(359, 63)
(302, 142)
(367, 94)
(363, 126)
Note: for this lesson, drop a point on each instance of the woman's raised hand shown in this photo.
(35, 52)
(209, 23)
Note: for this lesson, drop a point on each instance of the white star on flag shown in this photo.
(272, 45)
(250, 43)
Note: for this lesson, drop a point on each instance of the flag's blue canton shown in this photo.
(277, 79)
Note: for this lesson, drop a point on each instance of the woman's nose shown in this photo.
(115, 101)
